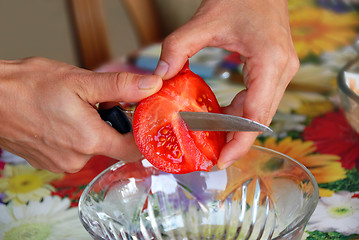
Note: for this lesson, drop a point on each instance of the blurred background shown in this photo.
(46, 28)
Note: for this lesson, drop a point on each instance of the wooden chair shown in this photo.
(144, 16)
(90, 29)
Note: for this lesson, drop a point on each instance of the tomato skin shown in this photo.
(162, 135)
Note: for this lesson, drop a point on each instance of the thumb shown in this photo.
(118, 87)
(179, 46)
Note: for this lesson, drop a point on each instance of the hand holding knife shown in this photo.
(196, 121)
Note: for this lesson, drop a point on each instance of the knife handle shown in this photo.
(116, 118)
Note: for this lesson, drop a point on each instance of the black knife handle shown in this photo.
(116, 118)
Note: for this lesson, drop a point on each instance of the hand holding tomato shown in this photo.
(259, 31)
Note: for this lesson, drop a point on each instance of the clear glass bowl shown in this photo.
(348, 79)
(264, 195)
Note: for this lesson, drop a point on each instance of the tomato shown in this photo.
(162, 135)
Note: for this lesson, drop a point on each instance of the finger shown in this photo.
(93, 136)
(231, 151)
(119, 146)
(237, 147)
(181, 45)
(117, 87)
(264, 82)
(256, 104)
(289, 72)
(235, 108)
(259, 103)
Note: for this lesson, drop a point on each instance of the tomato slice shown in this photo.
(162, 135)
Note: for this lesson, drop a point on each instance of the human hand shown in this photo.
(48, 114)
(259, 31)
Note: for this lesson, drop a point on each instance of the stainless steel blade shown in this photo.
(204, 121)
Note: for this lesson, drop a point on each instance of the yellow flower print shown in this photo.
(315, 78)
(292, 100)
(324, 167)
(22, 183)
(313, 109)
(316, 30)
(295, 4)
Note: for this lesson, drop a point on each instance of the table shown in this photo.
(309, 127)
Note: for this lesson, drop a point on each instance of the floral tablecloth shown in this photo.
(309, 127)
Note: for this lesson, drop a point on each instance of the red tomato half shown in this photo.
(164, 138)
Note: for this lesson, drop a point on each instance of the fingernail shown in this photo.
(224, 165)
(147, 82)
(161, 69)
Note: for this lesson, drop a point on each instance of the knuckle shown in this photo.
(74, 168)
(176, 45)
(294, 63)
(33, 63)
(33, 59)
(171, 43)
(37, 61)
(88, 147)
(77, 80)
(278, 41)
(123, 81)
(280, 53)
(71, 164)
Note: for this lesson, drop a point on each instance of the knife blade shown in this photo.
(205, 121)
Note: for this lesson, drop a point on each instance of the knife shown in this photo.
(196, 121)
(206, 121)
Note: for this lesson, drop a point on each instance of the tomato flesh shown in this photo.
(162, 135)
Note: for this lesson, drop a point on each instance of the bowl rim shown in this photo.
(285, 232)
(341, 80)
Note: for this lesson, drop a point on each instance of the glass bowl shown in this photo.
(348, 85)
(264, 195)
